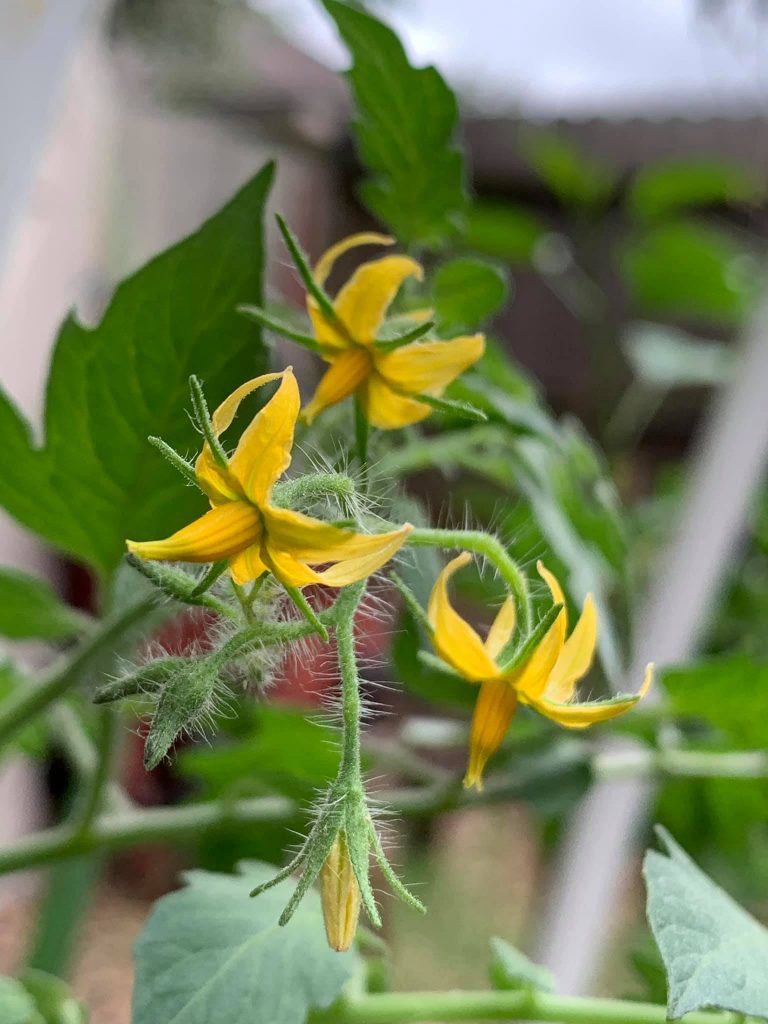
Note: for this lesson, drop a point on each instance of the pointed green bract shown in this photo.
(95, 480)
(405, 132)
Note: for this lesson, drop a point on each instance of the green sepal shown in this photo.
(178, 462)
(391, 344)
(317, 850)
(307, 611)
(305, 272)
(431, 661)
(412, 602)
(179, 585)
(203, 419)
(454, 407)
(395, 884)
(358, 820)
(518, 658)
(278, 327)
(144, 681)
(185, 702)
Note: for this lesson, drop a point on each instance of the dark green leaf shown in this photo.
(688, 268)
(511, 969)
(676, 185)
(574, 178)
(30, 609)
(664, 357)
(282, 747)
(503, 230)
(713, 951)
(467, 291)
(405, 132)
(96, 480)
(211, 953)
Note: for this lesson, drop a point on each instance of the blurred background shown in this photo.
(619, 163)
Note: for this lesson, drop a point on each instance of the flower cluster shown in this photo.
(250, 534)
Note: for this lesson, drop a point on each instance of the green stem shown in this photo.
(412, 1007)
(94, 790)
(82, 754)
(350, 687)
(489, 547)
(21, 707)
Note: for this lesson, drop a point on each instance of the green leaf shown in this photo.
(664, 357)
(467, 291)
(575, 179)
(33, 738)
(281, 746)
(53, 998)
(503, 230)
(687, 268)
(16, 1004)
(677, 185)
(511, 969)
(211, 953)
(96, 480)
(730, 693)
(405, 133)
(713, 951)
(29, 609)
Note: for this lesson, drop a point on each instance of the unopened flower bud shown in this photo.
(341, 896)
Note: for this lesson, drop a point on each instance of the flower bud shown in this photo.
(340, 895)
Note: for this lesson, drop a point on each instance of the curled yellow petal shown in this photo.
(531, 680)
(579, 716)
(378, 550)
(502, 628)
(264, 451)
(362, 303)
(345, 376)
(493, 712)
(247, 565)
(311, 540)
(330, 334)
(220, 533)
(455, 640)
(576, 656)
(324, 265)
(288, 570)
(218, 483)
(428, 367)
(386, 409)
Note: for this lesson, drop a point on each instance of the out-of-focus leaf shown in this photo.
(467, 291)
(505, 231)
(730, 693)
(511, 969)
(687, 268)
(283, 748)
(53, 998)
(16, 1004)
(668, 188)
(33, 738)
(96, 480)
(29, 609)
(405, 131)
(664, 357)
(439, 688)
(209, 953)
(713, 951)
(576, 179)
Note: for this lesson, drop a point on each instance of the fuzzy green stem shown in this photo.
(350, 686)
(24, 705)
(413, 1007)
(489, 547)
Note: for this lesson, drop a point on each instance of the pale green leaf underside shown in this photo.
(714, 953)
(210, 953)
(95, 480)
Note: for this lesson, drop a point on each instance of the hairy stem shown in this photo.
(489, 547)
(350, 685)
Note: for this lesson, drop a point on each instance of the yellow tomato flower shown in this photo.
(243, 525)
(546, 681)
(384, 381)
